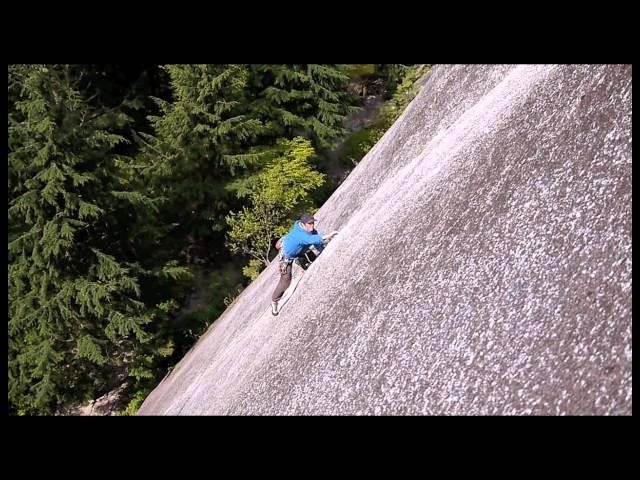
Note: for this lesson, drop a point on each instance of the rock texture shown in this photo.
(483, 266)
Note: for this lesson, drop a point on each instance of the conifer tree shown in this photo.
(311, 100)
(198, 146)
(78, 320)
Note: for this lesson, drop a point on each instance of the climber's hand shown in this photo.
(329, 236)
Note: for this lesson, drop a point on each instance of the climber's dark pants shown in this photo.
(285, 280)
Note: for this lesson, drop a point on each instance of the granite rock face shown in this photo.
(483, 266)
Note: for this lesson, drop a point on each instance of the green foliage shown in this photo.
(392, 75)
(304, 99)
(358, 144)
(218, 287)
(89, 349)
(359, 70)
(231, 297)
(197, 147)
(77, 313)
(276, 194)
(253, 269)
(406, 90)
(134, 405)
